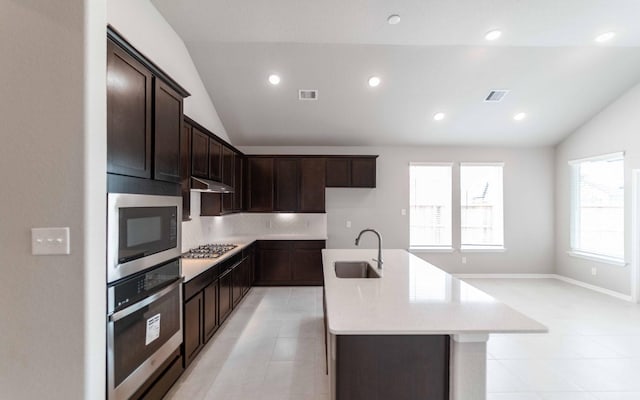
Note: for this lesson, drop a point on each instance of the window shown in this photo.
(481, 211)
(597, 211)
(430, 205)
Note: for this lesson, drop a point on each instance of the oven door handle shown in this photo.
(116, 316)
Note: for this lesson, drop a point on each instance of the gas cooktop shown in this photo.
(209, 250)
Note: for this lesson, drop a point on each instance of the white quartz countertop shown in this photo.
(412, 297)
(194, 267)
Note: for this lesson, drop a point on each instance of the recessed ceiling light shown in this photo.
(493, 35)
(374, 81)
(439, 116)
(393, 19)
(520, 116)
(274, 79)
(604, 37)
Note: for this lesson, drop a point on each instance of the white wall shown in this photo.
(528, 180)
(147, 30)
(616, 128)
(53, 158)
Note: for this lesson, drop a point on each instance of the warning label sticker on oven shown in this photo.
(153, 329)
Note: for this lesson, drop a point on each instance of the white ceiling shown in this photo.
(435, 60)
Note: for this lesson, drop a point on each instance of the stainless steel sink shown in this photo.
(355, 269)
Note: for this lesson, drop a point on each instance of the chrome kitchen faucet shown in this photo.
(379, 260)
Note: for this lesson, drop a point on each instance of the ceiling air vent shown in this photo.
(307, 94)
(496, 95)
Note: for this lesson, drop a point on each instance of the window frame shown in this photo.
(574, 206)
(432, 248)
(484, 248)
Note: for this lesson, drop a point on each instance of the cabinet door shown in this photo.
(185, 170)
(210, 317)
(312, 184)
(199, 154)
(274, 264)
(287, 184)
(192, 327)
(215, 160)
(227, 178)
(260, 184)
(167, 132)
(238, 278)
(129, 102)
(237, 184)
(210, 204)
(306, 263)
(363, 172)
(225, 301)
(338, 172)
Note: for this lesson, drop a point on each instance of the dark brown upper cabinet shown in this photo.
(363, 172)
(228, 177)
(144, 116)
(200, 154)
(338, 172)
(129, 111)
(287, 184)
(185, 170)
(238, 183)
(312, 184)
(215, 160)
(259, 190)
(351, 171)
(168, 129)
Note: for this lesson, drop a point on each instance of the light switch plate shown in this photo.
(46, 241)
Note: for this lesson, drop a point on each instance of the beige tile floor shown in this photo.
(272, 347)
(592, 350)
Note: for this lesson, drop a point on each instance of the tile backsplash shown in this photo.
(202, 230)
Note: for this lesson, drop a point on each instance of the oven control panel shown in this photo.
(131, 290)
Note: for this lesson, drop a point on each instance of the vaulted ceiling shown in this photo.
(435, 60)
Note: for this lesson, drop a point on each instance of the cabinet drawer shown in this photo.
(198, 283)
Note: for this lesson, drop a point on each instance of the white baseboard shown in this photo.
(572, 281)
(595, 288)
(505, 276)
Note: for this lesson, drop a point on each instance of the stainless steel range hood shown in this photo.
(207, 186)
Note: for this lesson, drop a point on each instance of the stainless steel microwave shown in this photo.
(142, 231)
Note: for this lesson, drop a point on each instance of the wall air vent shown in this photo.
(496, 95)
(306, 94)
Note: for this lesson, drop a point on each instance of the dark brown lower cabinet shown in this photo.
(238, 278)
(210, 310)
(289, 262)
(226, 302)
(399, 367)
(193, 333)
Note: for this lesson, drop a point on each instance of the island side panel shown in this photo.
(469, 367)
(399, 367)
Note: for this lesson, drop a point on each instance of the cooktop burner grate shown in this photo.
(209, 250)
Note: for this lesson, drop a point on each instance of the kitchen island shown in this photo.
(410, 330)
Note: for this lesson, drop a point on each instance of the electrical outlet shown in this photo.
(46, 241)
(348, 224)
(464, 260)
(403, 212)
(594, 271)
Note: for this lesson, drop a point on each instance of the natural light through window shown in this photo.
(597, 210)
(430, 205)
(481, 211)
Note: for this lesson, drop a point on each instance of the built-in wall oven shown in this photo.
(142, 231)
(144, 290)
(144, 326)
